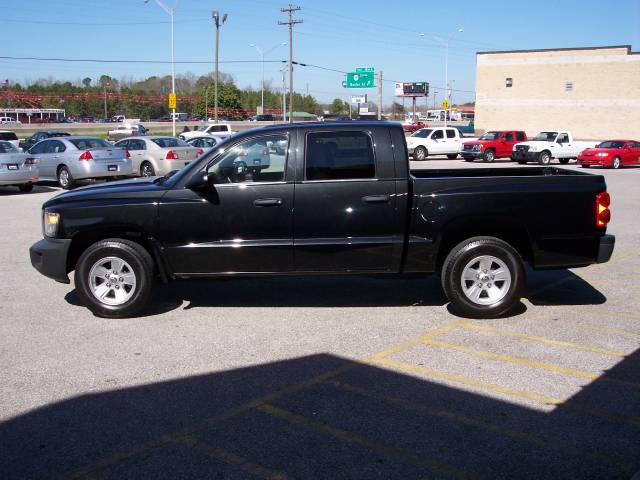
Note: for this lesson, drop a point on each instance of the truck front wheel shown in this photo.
(489, 156)
(483, 277)
(114, 277)
(544, 158)
(420, 153)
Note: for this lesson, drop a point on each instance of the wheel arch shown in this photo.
(82, 240)
(512, 232)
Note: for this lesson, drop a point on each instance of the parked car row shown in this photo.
(66, 159)
(514, 144)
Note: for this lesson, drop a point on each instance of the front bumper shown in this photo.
(49, 257)
(595, 161)
(525, 156)
(472, 153)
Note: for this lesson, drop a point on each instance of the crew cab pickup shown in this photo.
(434, 141)
(337, 198)
(492, 145)
(546, 146)
(218, 130)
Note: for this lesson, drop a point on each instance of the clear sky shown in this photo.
(335, 34)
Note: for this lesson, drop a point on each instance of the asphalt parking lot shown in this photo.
(322, 378)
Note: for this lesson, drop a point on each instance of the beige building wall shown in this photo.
(602, 103)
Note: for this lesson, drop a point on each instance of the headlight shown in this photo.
(50, 222)
(602, 154)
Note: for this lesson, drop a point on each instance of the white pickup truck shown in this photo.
(218, 130)
(435, 141)
(546, 146)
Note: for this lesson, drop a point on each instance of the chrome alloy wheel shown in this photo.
(63, 177)
(112, 281)
(485, 280)
(147, 170)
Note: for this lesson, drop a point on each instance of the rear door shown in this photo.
(345, 204)
(43, 152)
(452, 141)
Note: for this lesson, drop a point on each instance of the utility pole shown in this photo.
(380, 96)
(290, 23)
(105, 100)
(284, 94)
(218, 22)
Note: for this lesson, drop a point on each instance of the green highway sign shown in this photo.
(360, 80)
(364, 70)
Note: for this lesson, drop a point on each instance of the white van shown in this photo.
(4, 120)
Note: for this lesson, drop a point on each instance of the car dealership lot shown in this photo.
(323, 377)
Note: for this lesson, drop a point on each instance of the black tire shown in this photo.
(489, 155)
(420, 153)
(463, 255)
(544, 158)
(564, 161)
(585, 166)
(141, 263)
(468, 159)
(26, 187)
(147, 170)
(452, 156)
(522, 162)
(65, 179)
(615, 163)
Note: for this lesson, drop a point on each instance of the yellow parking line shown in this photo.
(572, 372)
(210, 422)
(416, 341)
(524, 394)
(230, 458)
(482, 424)
(548, 341)
(419, 460)
(609, 330)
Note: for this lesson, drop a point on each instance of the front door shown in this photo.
(345, 204)
(243, 223)
(438, 143)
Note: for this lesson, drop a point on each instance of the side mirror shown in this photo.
(200, 181)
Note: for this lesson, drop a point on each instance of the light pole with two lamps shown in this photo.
(171, 11)
(263, 54)
(447, 90)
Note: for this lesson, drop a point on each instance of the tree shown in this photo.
(337, 106)
(86, 81)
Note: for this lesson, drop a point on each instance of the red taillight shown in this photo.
(127, 154)
(86, 155)
(200, 152)
(603, 214)
(172, 155)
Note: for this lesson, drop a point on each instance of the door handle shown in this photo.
(268, 202)
(376, 199)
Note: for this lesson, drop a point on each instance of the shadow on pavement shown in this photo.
(356, 422)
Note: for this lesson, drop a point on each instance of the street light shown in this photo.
(447, 91)
(264, 54)
(218, 22)
(171, 11)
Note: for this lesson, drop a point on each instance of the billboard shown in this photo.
(413, 89)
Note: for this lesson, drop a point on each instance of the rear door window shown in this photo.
(339, 156)
(451, 133)
(563, 138)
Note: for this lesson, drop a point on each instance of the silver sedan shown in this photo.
(68, 159)
(16, 168)
(158, 155)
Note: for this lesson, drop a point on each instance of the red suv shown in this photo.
(492, 145)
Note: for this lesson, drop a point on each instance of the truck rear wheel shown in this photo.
(483, 277)
(65, 179)
(452, 156)
(564, 161)
(114, 277)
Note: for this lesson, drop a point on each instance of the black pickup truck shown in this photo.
(318, 198)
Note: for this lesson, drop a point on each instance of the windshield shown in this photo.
(546, 136)
(424, 133)
(490, 136)
(89, 143)
(611, 144)
(169, 142)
